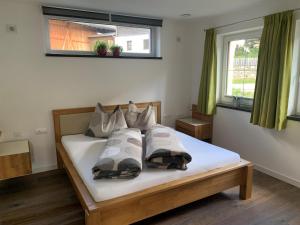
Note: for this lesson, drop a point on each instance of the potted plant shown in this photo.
(116, 50)
(101, 48)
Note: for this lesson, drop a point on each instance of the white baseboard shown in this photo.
(278, 175)
(43, 169)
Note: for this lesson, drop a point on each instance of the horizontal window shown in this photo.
(78, 36)
(82, 36)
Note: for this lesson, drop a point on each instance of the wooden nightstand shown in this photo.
(199, 126)
(14, 159)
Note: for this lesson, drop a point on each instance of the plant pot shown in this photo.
(102, 52)
(116, 52)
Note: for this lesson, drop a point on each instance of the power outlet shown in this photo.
(40, 131)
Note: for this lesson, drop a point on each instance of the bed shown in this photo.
(119, 202)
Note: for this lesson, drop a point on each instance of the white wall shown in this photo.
(276, 153)
(31, 84)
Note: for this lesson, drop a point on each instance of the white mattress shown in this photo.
(84, 152)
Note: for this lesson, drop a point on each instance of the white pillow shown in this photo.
(102, 123)
(142, 120)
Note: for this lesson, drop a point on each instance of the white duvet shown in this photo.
(84, 151)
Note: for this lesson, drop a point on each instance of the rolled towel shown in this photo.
(164, 149)
(122, 156)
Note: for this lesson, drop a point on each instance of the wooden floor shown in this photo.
(49, 199)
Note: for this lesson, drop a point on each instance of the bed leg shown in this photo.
(60, 164)
(92, 218)
(246, 186)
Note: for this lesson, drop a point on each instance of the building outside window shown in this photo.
(129, 46)
(146, 44)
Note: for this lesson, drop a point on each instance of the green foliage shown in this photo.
(100, 45)
(249, 50)
(238, 92)
(240, 80)
(114, 47)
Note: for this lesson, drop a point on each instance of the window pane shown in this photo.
(132, 39)
(242, 65)
(79, 36)
(146, 44)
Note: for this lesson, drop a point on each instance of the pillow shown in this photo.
(142, 120)
(102, 123)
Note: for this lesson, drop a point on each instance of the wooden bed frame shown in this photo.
(137, 206)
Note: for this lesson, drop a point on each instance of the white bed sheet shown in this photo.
(84, 152)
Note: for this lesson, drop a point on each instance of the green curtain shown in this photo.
(208, 83)
(274, 71)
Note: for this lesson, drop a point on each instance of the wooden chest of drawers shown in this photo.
(14, 159)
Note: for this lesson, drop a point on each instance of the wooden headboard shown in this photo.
(76, 120)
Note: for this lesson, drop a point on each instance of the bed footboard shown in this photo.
(152, 201)
(138, 206)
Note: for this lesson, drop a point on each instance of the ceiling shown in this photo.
(158, 8)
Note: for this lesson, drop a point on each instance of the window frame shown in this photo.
(155, 31)
(298, 96)
(225, 41)
(294, 101)
(146, 44)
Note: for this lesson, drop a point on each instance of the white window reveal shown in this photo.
(294, 97)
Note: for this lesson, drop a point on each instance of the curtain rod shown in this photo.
(242, 21)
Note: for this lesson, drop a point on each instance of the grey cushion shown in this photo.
(102, 123)
(142, 120)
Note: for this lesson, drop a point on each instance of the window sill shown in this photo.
(247, 109)
(294, 117)
(241, 108)
(96, 56)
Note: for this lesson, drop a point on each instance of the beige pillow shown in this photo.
(102, 123)
(142, 120)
